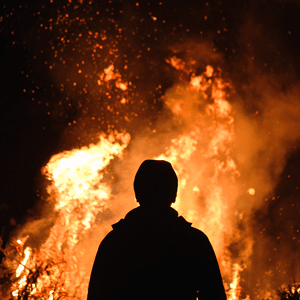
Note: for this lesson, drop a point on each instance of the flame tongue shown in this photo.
(77, 187)
(79, 196)
(203, 161)
(21, 267)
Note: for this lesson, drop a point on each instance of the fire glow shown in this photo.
(195, 127)
(80, 197)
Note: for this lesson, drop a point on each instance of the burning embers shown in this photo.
(201, 155)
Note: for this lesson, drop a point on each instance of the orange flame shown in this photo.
(79, 196)
(201, 158)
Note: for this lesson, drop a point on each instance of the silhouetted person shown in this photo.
(153, 253)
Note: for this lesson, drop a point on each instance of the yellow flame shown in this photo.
(21, 267)
(78, 191)
(251, 191)
(234, 286)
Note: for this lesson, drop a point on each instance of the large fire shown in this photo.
(201, 157)
(135, 98)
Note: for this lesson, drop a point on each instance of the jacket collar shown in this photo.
(148, 215)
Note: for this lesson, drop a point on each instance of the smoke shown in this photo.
(266, 112)
(265, 139)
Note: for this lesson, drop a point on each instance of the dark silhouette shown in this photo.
(153, 253)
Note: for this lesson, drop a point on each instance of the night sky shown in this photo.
(53, 51)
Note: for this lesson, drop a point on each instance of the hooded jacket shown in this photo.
(155, 254)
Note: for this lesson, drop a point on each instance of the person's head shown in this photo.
(155, 183)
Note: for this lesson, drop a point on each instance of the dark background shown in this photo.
(43, 112)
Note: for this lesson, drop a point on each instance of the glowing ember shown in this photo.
(109, 74)
(251, 191)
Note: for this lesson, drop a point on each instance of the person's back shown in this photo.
(154, 254)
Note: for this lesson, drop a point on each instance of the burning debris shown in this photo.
(292, 292)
